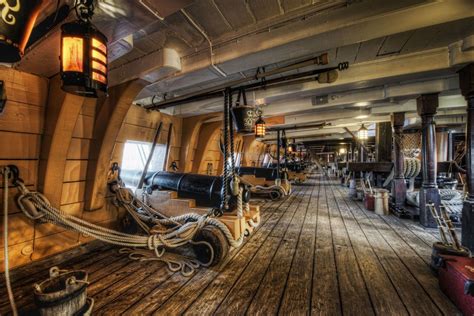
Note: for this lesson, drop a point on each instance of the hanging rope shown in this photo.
(225, 176)
(6, 175)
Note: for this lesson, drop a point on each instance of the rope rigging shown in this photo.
(161, 233)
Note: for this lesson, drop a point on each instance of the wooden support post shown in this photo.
(383, 142)
(466, 82)
(278, 154)
(399, 189)
(427, 105)
(450, 146)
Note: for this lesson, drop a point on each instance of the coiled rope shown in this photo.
(143, 213)
(411, 169)
(452, 200)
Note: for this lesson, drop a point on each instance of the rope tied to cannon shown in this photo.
(170, 233)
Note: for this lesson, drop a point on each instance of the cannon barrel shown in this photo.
(206, 190)
(258, 172)
(293, 166)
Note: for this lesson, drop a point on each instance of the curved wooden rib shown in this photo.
(191, 129)
(108, 122)
(207, 134)
(61, 115)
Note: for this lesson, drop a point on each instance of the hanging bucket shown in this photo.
(381, 202)
(64, 293)
(244, 118)
(16, 23)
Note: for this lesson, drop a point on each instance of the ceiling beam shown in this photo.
(390, 71)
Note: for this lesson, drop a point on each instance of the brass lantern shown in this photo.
(16, 23)
(292, 147)
(260, 127)
(83, 55)
(363, 133)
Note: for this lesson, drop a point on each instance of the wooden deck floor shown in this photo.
(316, 252)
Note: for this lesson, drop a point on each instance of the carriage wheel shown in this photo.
(218, 241)
(275, 195)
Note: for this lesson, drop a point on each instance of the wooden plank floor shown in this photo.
(316, 252)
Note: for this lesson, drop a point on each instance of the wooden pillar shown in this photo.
(399, 189)
(278, 154)
(383, 142)
(450, 145)
(466, 82)
(427, 105)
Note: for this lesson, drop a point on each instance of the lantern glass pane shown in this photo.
(99, 56)
(98, 66)
(98, 77)
(99, 45)
(363, 134)
(72, 54)
(260, 130)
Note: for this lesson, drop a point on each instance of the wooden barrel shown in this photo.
(64, 293)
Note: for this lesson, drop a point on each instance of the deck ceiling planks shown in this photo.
(264, 9)
(316, 251)
(209, 16)
(290, 5)
(235, 12)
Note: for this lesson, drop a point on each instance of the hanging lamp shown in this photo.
(292, 146)
(363, 133)
(260, 127)
(83, 54)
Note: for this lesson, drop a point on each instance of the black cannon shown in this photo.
(206, 190)
(296, 167)
(258, 172)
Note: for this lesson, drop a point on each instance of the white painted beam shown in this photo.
(152, 67)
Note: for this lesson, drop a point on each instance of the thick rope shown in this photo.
(145, 213)
(225, 182)
(157, 242)
(452, 200)
(411, 169)
(6, 264)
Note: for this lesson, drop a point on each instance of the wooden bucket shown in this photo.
(381, 202)
(64, 293)
(369, 201)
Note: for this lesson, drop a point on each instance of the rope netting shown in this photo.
(410, 144)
